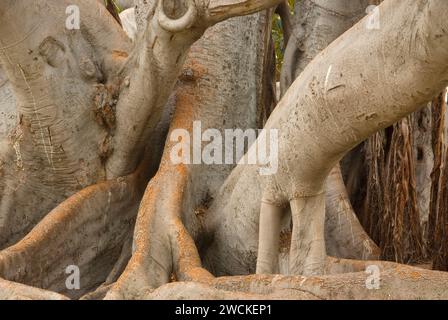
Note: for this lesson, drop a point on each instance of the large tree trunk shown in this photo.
(214, 89)
(60, 80)
(317, 24)
(81, 154)
(303, 184)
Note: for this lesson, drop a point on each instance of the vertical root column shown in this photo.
(345, 237)
(269, 238)
(307, 254)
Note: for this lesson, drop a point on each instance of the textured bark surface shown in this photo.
(45, 161)
(319, 93)
(215, 89)
(316, 25)
(84, 181)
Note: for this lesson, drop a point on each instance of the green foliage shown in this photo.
(116, 5)
(277, 36)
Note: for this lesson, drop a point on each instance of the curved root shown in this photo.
(87, 230)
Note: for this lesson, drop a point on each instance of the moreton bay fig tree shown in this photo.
(172, 149)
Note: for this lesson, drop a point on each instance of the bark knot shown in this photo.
(105, 101)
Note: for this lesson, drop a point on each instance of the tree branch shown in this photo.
(219, 10)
